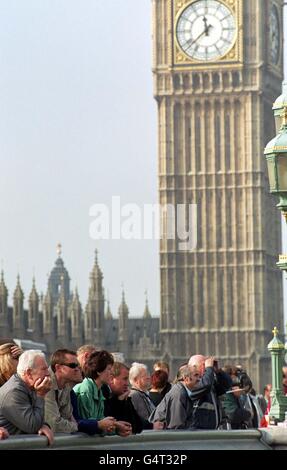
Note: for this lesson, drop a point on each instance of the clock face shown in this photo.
(274, 35)
(206, 30)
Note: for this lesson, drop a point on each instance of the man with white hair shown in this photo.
(22, 397)
(140, 381)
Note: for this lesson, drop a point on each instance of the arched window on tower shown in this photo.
(219, 220)
(220, 299)
(230, 300)
(239, 155)
(188, 138)
(195, 81)
(201, 300)
(207, 131)
(235, 79)
(226, 81)
(229, 218)
(199, 220)
(217, 135)
(227, 136)
(206, 81)
(197, 138)
(178, 151)
(186, 82)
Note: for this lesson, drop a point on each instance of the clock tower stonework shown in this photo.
(215, 80)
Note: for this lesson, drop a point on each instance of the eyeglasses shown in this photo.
(72, 365)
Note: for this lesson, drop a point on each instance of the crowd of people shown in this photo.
(88, 391)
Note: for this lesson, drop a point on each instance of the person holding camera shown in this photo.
(214, 382)
(236, 415)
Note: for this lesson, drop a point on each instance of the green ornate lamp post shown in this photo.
(279, 106)
(278, 399)
(276, 156)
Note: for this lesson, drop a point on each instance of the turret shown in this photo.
(19, 324)
(75, 318)
(94, 313)
(123, 326)
(4, 320)
(62, 317)
(33, 312)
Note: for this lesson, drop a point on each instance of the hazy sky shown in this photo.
(78, 126)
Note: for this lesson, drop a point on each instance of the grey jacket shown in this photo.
(21, 410)
(58, 408)
(143, 405)
(175, 409)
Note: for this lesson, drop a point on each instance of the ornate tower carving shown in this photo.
(59, 278)
(62, 317)
(123, 326)
(146, 313)
(217, 70)
(108, 314)
(33, 313)
(48, 318)
(75, 317)
(19, 321)
(95, 309)
(4, 319)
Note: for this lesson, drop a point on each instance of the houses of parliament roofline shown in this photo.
(57, 319)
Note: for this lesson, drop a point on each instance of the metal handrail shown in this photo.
(146, 440)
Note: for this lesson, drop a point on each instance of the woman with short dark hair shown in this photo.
(159, 383)
(97, 372)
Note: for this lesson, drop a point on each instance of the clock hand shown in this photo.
(207, 29)
(206, 26)
(204, 32)
(197, 38)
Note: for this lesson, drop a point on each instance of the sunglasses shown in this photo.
(72, 365)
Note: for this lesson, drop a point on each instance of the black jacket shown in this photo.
(207, 411)
(123, 410)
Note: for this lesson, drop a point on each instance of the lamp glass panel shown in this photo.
(282, 172)
(271, 174)
(278, 120)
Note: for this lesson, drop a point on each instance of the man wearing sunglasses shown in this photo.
(65, 371)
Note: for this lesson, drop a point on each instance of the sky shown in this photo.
(77, 128)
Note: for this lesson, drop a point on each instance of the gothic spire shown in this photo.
(18, 293)
(108, 313)
(76, 298)
(146, 313)
(123, 308)
(34, 297)
(3, 288)
(96, 271)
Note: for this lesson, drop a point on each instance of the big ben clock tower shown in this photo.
(217, 71)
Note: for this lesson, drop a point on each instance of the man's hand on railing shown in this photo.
(158, 425)
(107, 424)
(4, 433)
(46, 431)
(123, 428)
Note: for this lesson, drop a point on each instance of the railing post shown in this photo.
(278, 399)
